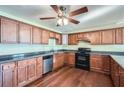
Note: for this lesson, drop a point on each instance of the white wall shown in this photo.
(6, 49)
(119, 48)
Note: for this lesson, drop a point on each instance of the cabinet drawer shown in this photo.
(8, 66)
(22, 63)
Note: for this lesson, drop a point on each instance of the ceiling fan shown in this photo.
(62, 17)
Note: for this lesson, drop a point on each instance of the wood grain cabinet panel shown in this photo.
(36, 35)
(70, 59)
(9, 74)
(118, 36)
(45, 36)
(123, 35)
(52, 35)
(114, 72)
(22, 72)
(9, 31)
(0, 75)
(39, 63)
(58, 39)
(100, 63)
(72, 39)
(25, 33)
(31, 70)
(108, 36)
(121, 73)
(95, 38)
(58, 60)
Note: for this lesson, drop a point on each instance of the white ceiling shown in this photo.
(97, 15)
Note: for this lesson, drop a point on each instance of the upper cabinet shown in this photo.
(58, 39)
(72, 39)
(52, 34)
(108, 36)
(9, 31)
(118, 36)
(36, 36)
(45, 36)
(25, 33)
(123, 35)
(95, 38)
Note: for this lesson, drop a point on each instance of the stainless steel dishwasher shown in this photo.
(47, 63)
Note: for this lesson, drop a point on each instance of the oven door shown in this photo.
(82, 61)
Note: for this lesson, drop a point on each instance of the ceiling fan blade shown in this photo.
(79, 11)
(55, 8)
(45, 18)
(73, 21)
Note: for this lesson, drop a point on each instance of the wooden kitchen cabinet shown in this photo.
(72, 39)
(123, 35)
(108, 36)
(22, 72)
(95, 38)
(118, 36)
(115, 73)
(58, 60)
(58, 39)
(121, 73)
(79, 36)
(39, 63)
(9, 31)
(36, 35)
(52, 35)
(25, 32)
(31, 69)
(0, 76)
(45, 36)
(100, 63)
(9, 74)
(70, 58)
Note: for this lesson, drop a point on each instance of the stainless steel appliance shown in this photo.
(47, 63)
(83, 58)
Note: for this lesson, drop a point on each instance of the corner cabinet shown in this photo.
(25, 32)
(9, 31)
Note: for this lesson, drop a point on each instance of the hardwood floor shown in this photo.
(72, 77)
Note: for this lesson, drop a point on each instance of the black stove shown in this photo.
(83, 58)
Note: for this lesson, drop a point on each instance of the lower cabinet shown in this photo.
(100, 63)
(9, 74)
(114, 73)
(70, 58)
(39, 61)
(58, 60)
(22, 72)
(121, 73)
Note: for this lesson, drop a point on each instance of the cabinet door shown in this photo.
(22, 72)
(25, 33)
(95, 38)
(59, 39)
(123, 35)
(118, 36)
(100, 63)
(39, 66)
(0, 75)
(58, 60)
(72, 39)
(70, 59)
(121, 73)
(36, 35)
(31, 69)
(9, 74)
(52, 35)
(45, 37)
(115, 73)
(9, 30)
(108, 37)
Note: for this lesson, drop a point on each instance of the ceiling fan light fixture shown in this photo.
(62, 21)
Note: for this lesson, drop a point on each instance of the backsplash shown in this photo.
(6, 49)
(117, 48)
